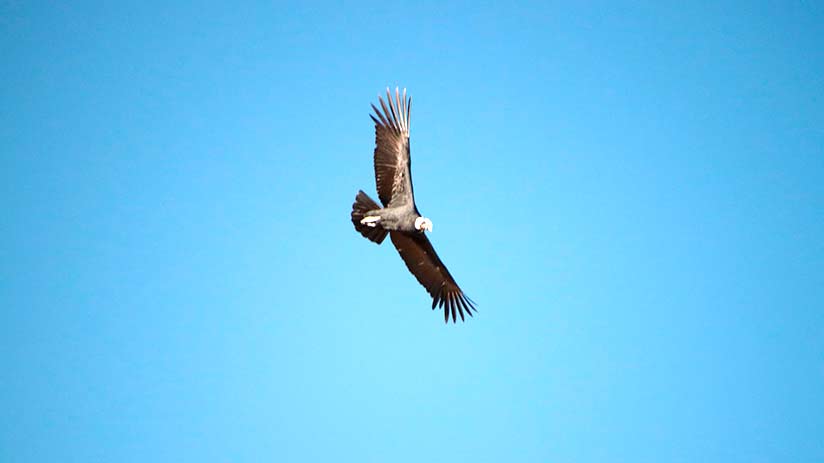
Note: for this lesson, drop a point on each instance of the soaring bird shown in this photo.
(399, 216)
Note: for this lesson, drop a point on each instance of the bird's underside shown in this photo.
(399, 216)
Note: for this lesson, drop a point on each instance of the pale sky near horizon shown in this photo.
(633, 193)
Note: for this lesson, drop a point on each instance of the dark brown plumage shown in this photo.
(400, 217)
(422, 260)
(392, 161)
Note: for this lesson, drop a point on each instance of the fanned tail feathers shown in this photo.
(363, 204)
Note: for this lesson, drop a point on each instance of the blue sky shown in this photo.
(633, 193)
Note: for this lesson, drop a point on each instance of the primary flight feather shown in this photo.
(399, 216)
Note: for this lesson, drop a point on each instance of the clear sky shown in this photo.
(633, 193)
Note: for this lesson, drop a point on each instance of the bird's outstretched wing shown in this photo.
(420, 258)
(392, 163)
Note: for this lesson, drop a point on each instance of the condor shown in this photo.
(399, 216)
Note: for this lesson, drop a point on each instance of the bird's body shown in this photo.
(400, 217)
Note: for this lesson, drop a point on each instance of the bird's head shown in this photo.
(422, 223)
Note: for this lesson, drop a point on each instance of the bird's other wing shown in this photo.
(420, 258)
(392, 163)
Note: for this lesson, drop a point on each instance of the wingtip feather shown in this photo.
(465, 305)
(396, 111)
(460, 307)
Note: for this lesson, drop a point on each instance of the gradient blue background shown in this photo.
(633, 193)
